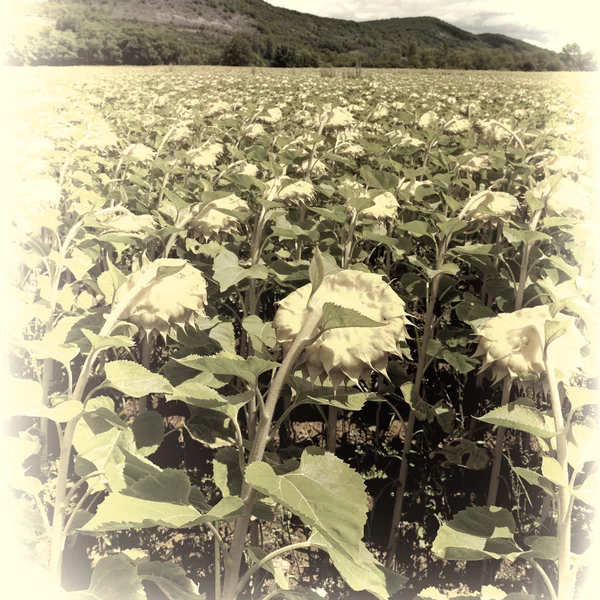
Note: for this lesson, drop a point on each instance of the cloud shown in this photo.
(547, 23)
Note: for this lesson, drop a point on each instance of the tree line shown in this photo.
(91, 38)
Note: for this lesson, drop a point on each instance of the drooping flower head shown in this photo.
(270, 116)
(173, 300)
(205, 157)
(296, 192)
(336, 118)
(565, 199)
(429, 119)
(209, 220)
(385, 208)
(499, 204)
(513, 344)
(457, 126)
(124, 221)
(349, 353)
(139, 152)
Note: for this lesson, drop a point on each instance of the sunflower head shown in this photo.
(210, 222)
(512, 344)
(349, 353)
(174, 300)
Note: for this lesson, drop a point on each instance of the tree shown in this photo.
(238, 53)
(575, 60)
(284, 56)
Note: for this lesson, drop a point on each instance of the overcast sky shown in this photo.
(546, 23)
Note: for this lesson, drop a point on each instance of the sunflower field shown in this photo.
(301, 334)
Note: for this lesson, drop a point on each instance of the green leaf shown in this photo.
(148, 432)
(477, 458)
(298, 593)
(212, 427)
(224, 335)
(588, 491)
(335, 316)
(316, 271)
(226, 363)
(553, 472)
(226, 472)
(171, 579)
(24, 398)
(272, 566)
(365, 573)
(156, 500)
(345, 398)
(554, 330)
(135, 380)
(114, 576)
(417, 228)
(535, 479)
(103, 342)
(62, 353)
(544, 547)
(227, 272)
(579, 397)
(324, 492)
(451, 226)
(477, 533)
(381, 180)
(523, 418)
(261, 333)
(423, 410)
(458, 361)
(583, 444)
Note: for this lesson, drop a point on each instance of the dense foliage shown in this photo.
(251, 308)
(251, 32)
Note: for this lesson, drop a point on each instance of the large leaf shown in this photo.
(196, 394)
(477, 533)
(261, 333)
(114, 577)
(345, 398)
(227, 271)
(335, 316)
(171, 579)
(545, 547)
(535, 479)
(579, 397)
(148, 431)
(523, 418)
(135, 380)
(24, 398)
(324, 492)
(365, 573)
(226, 363)
(155, 500)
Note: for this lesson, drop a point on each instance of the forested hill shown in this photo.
(249, 32)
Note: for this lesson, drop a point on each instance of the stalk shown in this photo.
(519, 295)
(498, 449)
(565, 579)
(305, 334)
(60, 504)
(147, 349)
(410, 424)
(332, 412)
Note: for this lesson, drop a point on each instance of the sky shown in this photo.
(547, 23)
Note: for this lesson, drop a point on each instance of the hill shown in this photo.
(246, 32)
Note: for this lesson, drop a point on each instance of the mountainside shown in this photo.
(250, 32)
